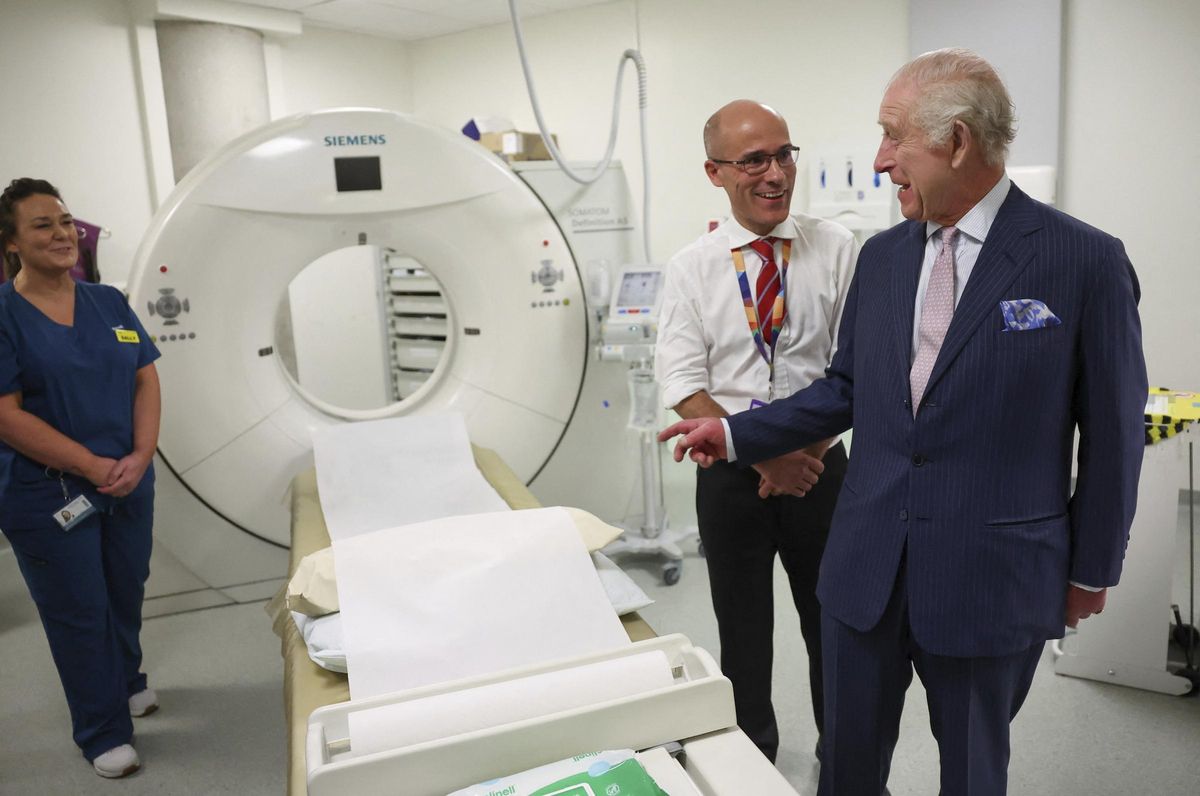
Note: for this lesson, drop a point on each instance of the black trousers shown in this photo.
(742, 533)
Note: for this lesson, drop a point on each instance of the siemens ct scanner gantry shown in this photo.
(475, 305)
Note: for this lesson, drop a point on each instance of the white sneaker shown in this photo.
(118, 762)
(143, 703)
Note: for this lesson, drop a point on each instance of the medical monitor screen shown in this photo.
(639, 288)
(357, 174)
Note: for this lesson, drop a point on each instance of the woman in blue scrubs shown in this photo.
(79, 413)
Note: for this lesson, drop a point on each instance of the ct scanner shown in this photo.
(516, 362)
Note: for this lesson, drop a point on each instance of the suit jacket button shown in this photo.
(903, 515)
(918, 459)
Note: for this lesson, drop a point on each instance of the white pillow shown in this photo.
(624, 594)
(323, 637)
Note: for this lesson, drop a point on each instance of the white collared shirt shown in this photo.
(972, 229)
(704, 338)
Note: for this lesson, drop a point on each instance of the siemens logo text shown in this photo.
(355, 140)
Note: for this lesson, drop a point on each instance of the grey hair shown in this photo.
(955, 84)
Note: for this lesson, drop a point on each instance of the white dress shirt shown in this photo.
(704, 338)
(972, 229)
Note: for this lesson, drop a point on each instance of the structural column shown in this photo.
(214, 85)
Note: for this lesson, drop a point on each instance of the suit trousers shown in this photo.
(742, 533)
(88, 584)
(971, 701)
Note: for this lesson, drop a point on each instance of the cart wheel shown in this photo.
(1194, 676)
(670, 574)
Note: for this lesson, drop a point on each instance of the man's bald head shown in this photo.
(759, 198)
(731, 117)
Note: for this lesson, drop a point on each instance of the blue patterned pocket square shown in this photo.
(1023, 314)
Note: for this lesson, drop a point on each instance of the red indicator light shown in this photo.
(162, 269)
(545, 243)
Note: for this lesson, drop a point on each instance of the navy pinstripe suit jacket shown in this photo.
(974, 492)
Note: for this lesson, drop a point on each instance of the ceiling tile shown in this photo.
(476, 12)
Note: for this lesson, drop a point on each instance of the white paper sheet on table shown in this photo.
(463, 596)
(385, 473)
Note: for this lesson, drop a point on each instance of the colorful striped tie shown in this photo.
(766, 289)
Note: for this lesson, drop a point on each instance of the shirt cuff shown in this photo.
(730, 454)
(1073, 583)
(674, 391)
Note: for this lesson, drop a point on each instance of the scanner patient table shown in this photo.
(307, 686)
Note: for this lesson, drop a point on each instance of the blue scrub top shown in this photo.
(81, 380)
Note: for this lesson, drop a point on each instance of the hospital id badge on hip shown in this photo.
(74, 512)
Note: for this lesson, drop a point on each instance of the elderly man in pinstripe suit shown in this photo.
(978, 337)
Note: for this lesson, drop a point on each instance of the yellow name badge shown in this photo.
(127, 336)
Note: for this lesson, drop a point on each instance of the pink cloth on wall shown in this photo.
(87, 269)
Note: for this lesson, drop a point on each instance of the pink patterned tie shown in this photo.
(936, 312)
(767, 287)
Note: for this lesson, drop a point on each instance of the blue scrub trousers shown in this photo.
(88, 585)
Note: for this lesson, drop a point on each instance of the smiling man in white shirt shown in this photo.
(750, 313)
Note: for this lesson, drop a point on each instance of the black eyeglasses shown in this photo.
(760, 162)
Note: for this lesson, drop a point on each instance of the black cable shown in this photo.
(1191, 557)
(214, 509)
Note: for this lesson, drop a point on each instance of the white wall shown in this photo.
(574, 58)
(338, 330)
(1132, 162)
(1127, 157)
(820, 63)
(71, 110)
(1022, 39)
(70, 115)
(328, 69)
(823, 64)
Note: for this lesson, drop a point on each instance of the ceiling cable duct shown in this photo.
(552, 148)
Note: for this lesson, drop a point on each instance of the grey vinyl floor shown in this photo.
(221, 728)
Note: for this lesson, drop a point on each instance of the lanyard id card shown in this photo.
(74, 511)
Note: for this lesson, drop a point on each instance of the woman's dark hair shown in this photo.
(18, 189)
